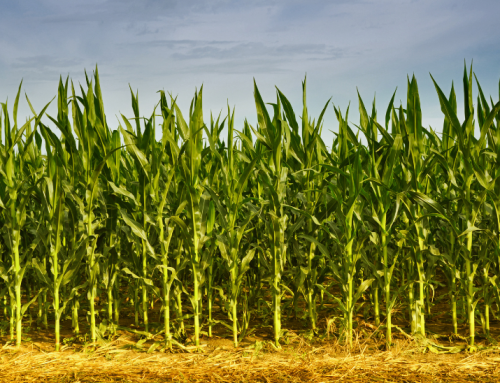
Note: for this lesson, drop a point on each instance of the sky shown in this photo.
(177, 46)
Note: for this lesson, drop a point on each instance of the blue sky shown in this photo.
(223, 44)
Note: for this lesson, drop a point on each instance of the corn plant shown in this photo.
(16, 192)
(254, 223)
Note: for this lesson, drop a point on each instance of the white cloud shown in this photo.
(178, 45)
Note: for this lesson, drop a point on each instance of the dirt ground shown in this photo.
(220, 362)
(129, 356)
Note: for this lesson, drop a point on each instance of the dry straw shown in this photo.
(302, 363)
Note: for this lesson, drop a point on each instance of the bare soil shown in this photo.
(129, 356)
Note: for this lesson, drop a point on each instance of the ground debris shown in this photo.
(293, 364)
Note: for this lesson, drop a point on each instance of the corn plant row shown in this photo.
(249, 222)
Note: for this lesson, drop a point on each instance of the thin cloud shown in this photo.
(177, 45)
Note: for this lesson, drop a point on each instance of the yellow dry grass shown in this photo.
(301, 363)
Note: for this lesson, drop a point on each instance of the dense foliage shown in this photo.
(264, 221)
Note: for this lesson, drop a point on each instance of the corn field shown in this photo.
(251, 223)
